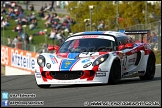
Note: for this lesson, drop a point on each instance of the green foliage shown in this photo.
(158, 57)
(106, 11)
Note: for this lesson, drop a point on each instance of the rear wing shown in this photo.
(143, 34)
(131, 32)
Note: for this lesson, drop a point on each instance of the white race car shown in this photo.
(95, 57)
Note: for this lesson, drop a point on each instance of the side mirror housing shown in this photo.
(129, 45)
(121, 47)
(53, 48)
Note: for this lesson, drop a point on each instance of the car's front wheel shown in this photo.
(44, 85)
(115, 73)
(150, 69)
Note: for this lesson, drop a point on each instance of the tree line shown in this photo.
(129, 13)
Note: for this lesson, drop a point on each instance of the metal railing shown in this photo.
(21, 45)
(153, 27)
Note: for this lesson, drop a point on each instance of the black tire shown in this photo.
(115, 73)
(150, 69)
(44, 86)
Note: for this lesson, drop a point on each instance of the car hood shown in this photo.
(80, 55)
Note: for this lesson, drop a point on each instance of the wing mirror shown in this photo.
(53, 48)
(121, 47)
(129, 45)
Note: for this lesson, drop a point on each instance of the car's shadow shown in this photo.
(123, 81)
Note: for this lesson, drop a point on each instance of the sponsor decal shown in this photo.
(100, 74)
(18, 58)
(99, 69)
(53, 59)
(130, 64)
(131, 60)
(38, 74)
(90, 36)
(66, 65)
(21, 60)
(85, 60)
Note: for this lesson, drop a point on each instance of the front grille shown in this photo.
(66, 75)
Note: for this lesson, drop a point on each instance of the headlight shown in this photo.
(86, 65)
(41, 61)
(100, 60)
(48, 65)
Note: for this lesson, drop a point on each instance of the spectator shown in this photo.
(2, 18)
(24, 21)
(21, 15)
(26, 42)
(20, 9)
(31, 39)
(11, 13)
(153, 40)
(16, 12)
(59, 26)
(52, 34)
(8, 41)
(3, 4)
(52, 6)
(67, 23)
(3, 11)
(19, 29)
(33, 16)
(101, 26)
(27, 3)
(33, 24)
(148, 37)
(49, 22)
(43, 7)
(59, 38)
(29, 18)
(55, 20)
(31, 7)
(41, 14)
(15, 41)
(44, 48)
(13, 4)
(7, 4)
(4, 23)
(19, 21)
(48, 8)
(46, 17)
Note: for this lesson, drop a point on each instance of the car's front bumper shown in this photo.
(99, 77)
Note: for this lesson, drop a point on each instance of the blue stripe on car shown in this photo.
(94, 32)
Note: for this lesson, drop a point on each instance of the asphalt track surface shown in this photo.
(128, 90)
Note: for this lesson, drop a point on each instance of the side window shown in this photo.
(131, 40)
(121, 41)
(124, 40)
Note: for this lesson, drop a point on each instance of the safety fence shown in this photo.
(153, 27)
(21, 45)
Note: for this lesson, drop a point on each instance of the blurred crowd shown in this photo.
(58, 24)
(150, 38)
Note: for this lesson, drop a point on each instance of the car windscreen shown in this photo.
(79, 45)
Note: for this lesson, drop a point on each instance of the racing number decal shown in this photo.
(124, 60)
